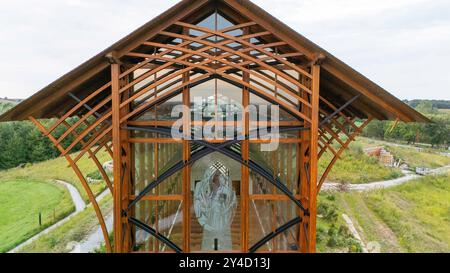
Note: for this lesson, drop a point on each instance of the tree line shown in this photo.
(437, 134)
(436, 104)
(21, 142)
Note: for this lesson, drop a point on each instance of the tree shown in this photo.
(375, 129)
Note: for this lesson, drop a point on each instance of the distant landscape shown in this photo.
(411, 217)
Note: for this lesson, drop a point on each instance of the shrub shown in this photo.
(96, 175)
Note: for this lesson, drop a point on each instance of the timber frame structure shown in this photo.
(115, 104)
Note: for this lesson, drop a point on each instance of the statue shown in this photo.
(215, 204)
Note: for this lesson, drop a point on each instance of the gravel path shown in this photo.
(76, 197)
(95, 239)
(79, 206)
(382, 184)
(354, 232)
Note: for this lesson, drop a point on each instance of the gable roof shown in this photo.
(339, 81)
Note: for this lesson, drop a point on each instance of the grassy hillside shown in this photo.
(58, 169)
(355, 167)
(21, 202)
(5, 106)
(413, 217)
(332, 233)
(414, 157)
(74, 230)
(24, 192)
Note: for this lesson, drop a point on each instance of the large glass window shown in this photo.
(215, 181)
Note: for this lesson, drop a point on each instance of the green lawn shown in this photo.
(74, 230)
(355, 167)
(414, 217)
(21, 201)
(413, 156)
(58, 169)
(24, 192)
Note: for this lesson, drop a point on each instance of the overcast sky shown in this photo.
(403, 45)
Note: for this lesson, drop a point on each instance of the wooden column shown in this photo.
(303, 165)
(186, 176)
(126, 161)
(117, 156)
(308, 163)
(245, 172)
(314, 158)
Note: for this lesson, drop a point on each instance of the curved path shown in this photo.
(79, 206)
(76, 197)
(383, 184)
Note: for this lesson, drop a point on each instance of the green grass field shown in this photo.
(74, 230)
(414, 217)
(357, 168)
(24, 192)
(414, 157)
(333, 235)
(58, 169)
(21, 201)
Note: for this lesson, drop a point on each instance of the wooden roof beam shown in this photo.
(363, 90)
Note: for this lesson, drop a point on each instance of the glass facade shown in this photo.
(231, 195)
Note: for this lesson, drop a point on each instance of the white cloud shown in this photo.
(321, 10)
(400, 44)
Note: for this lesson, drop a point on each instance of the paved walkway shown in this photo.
(95, 239)
(79, 206)
(382, 184)
(76, 197)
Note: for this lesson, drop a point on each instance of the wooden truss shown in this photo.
(169, 64)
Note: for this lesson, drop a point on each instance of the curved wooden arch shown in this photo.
(172, 68)
(328, 136)
(186, 41)
(83, 181)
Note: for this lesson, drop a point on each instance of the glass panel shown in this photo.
(263, 114)
(145, 212)
(216, 100)
(163, 216)
(143, 82)
(144, 165)
(170, 223)
(265, 217)
(281, 163)
(215, 22)
(229, 101)
(147, 168)
(216, 209)
(203, 101)
(229, 98)
(162, 111)
(222, 22)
